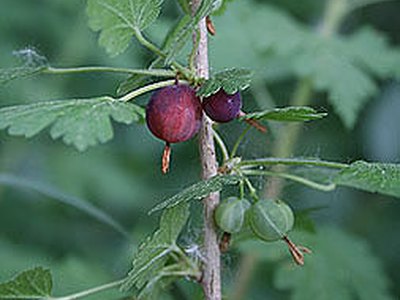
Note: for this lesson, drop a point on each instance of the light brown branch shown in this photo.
(211, 280)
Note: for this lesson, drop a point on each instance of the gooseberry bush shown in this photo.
(187, 103)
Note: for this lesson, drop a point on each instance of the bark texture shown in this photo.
(211, 279)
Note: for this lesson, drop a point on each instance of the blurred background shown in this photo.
(123, 176)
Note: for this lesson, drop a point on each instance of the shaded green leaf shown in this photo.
(198, 191)
(184, 31)
(303, 220)
(119, 19)
(344, 67)
(341, 267)
(133, 82)
(220, 7)
(80, 122)
(172, 221)
(153, 253)
(326, 62)
(174, 43)
(52, 192)
(185, 6)
(31, 284)
(371, 50)
(356, 4)
(264, 33)
(287, 114)
(383, 178)
(372, 177)
(136, 81)
(174, 31)
(348, 86)
(231, 81)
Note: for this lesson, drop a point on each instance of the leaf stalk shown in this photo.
(91, 291)
(148, 88)
(295, 178)
(270, 161)
(102, 69)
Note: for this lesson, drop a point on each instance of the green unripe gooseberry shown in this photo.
(229, 215)
(271, 220)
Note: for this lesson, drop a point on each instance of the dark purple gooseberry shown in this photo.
(222, 107)
(173, 115)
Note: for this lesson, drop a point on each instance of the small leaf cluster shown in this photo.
(152, 261)
(119, 21)
(231, 81)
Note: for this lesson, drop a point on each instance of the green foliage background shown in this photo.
(123, 176)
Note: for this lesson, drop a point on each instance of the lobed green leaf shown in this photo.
(372, 51)
(31, 284)
(220, 7)
(344, 67)
(383, 178)
(80, 122)
(348, 86)
(153, 253)
(117, 20)
(371, 177)
(136, 81)
(198, 191)
(185, 6)
(287, 114)
(231, 81)
(182, 35)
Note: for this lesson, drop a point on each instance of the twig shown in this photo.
(90, 291)
(146, 89)
(211, 281)
(99, 69)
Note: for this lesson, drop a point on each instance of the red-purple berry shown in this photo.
(174, 113)
(222, 107)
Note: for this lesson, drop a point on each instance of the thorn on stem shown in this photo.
(254, 123)
(166, 158)
(297, 251)
(210, 26)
